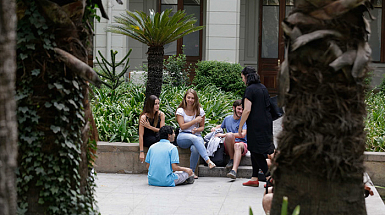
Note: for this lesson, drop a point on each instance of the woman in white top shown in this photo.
(191, 120)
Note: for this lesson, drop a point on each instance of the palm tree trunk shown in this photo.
(319, 165)
(8, 123)
(155, 70)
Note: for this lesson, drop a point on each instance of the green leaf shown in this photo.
(23, 56)
(35, 72)
(58, 86)
(41, 201)
(55, 129)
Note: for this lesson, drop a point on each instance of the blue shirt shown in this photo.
(232, 126)
(160, 156)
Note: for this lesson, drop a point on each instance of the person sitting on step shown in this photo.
(163, 158)
(235, 145)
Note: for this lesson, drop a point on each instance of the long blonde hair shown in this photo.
(196, 106)
(149, 109)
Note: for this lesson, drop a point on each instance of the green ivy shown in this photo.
(49, 135)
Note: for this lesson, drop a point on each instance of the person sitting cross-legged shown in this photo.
(235, 145)
(163, 158)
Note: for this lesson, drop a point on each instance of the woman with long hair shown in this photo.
(191, 119)
(256, 114)
(150, 121)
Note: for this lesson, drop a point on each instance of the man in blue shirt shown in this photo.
(235, 145)
(162, 159)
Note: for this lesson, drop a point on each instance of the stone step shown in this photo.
(243, 171)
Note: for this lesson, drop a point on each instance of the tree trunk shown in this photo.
(8, 123)
(155, 71)
(319, 164)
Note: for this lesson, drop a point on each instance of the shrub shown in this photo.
(224, 75)
(375, 122)
(117, 119)
(176, 70)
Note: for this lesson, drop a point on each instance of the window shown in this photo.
(192, 42)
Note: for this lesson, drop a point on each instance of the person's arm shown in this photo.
(141, 133)
(162, 119)
(215, 128)
(147, 165)
(144, 122)
(201, 126)
(246, 111)
(186, 125)
(176, 167)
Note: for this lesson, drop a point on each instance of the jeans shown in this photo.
(196, 145)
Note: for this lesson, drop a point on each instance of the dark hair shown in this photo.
(165, 131)
(196, 106)
(236, 103)
(251, 75)
(149, 109)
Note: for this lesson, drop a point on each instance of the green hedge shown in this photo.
(224, 75)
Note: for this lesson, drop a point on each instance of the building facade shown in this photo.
(238, 31)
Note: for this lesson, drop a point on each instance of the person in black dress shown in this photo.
(150, 121)
(256, 114)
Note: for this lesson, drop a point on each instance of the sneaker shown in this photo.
(230, 164)
(232, 174)
(189, 180)
(251, 183)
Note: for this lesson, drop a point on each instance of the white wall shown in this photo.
(222, 30)
(104, 41)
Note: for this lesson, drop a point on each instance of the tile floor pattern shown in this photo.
(119, 194)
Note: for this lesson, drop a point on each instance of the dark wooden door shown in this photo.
(271, 42)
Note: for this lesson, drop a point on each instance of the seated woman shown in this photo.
(150, 121)
(191, 119)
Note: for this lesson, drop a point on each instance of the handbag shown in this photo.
(275, 111)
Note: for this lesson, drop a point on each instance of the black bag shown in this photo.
(219, 156)
(275, 111)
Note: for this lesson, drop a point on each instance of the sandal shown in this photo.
(211, 164)
(195, 176)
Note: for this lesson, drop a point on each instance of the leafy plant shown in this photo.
(177, 70)
(224, 75)
(117, 120)
(375, 122)
(109, 69)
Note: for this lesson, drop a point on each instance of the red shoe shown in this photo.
(251, 183)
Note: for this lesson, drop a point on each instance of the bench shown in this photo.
(119, 157)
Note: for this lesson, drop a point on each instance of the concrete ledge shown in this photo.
(375, 167)
(118, 157)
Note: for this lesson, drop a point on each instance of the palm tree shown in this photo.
(155, 30)
(8, 127)
(319, 164)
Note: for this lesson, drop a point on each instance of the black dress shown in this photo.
(259, 123)
(149, 136)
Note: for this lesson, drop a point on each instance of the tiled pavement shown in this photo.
(130, 194)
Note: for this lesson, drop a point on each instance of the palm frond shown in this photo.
(156, 29)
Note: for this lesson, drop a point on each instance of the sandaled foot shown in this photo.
(195, 176)
(211, 164)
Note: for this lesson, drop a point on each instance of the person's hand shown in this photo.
(145, 123)
(194, 130)
(189, 171)
(220, 135)
(198, 119)
(213, 129)
(141, 157)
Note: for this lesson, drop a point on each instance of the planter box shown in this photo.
(375, 167)
(118, 157)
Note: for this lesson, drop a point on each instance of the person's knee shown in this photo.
(238, 146)
(193, 149)
(267, 201)
(230, 136)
